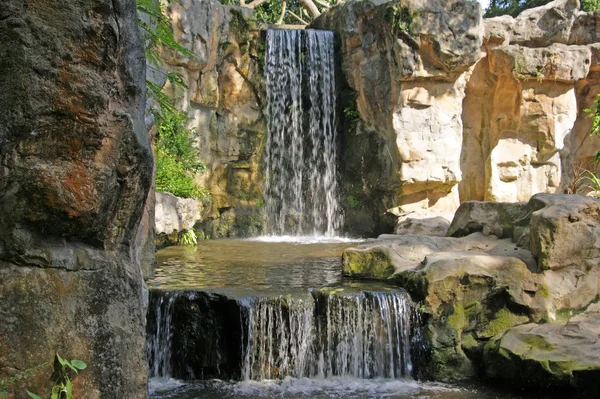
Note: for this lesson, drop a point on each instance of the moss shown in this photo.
(503, 320)
(537, 342)
(374, 264)
(544, 291)
(457, 320)
(468, 341)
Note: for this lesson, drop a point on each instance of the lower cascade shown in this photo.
(198, 335)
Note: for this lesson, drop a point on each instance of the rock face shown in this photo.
(406, 68)
(506, 264)
(443, 107)
(75, 175)
(224, 101)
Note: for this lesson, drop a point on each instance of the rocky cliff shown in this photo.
(224, 100)
(76, 167)
(444, 107)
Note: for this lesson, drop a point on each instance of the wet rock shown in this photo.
(75, 175)
(549, 356)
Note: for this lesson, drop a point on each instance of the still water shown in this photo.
(252, 267)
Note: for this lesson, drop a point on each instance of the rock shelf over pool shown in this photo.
(506, 265)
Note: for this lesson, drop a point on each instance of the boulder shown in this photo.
(549, 356)
(75, 176)
(393, 254)
(174, 214)
(535, 27)
(469, 297)
(423, 222)
(566, 232)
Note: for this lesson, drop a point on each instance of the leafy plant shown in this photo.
(188, 238)
(177, 158)
(401, 19)
(594, 181)
(158, 35)
(62, 387)
(590, 5)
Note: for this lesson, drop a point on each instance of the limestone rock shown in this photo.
(75, 175)
(490, 218)
(549, 356)
(393, 254)
(567, 232)
(407, 64)
(224, 101)
(535, 27)
(174, 214)
(470, 297)
(424, 222)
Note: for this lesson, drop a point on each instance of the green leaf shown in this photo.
(79, 364)
(32, 395)
(61, 360)
(69, 389)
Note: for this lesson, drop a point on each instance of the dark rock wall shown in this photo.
(75, 171)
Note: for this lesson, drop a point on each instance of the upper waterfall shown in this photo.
(301, 189)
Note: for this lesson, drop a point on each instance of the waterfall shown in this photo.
(198, 335)
(301, 193)
(365, 335)
(159, 339)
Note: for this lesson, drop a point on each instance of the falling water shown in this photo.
(366, 335)
(300, 163)
(159, 341)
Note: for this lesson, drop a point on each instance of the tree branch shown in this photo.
(282, 15)
(298, 18)
(309, 6)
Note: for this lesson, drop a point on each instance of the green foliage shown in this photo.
(158, 35)
(176, 158)
(590, 5)
(269, 12)
(594, 112)
(62, 387)
(400, 18)
(353, 202)
(10, 383)
(594, 182)
(511, 7)
(188, 238)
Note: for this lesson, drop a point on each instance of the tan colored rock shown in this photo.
(224, 102)
(396, 254)
(174, 214)
(408, 63)
(566, 233)
(535, 27)
(424, 222)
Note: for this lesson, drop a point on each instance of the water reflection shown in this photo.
(277, 267)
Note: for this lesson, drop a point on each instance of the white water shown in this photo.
(305, 239)
(301, 189)
(365, 335)
(159, 344)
